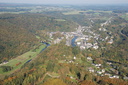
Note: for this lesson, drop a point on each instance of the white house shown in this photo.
(78, 43)
(82, 47)
(107, 74)
(99, 72)
(103, 70)
(115, 76)
(96, 47)
(125, 78)
(89, 58)
(90, 69)
(97, 65)
(111, 41)
(74, 57)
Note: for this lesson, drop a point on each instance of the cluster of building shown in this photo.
(84, 37)
(84, 41)
(80, 40)
(101, 71)
(94, 68)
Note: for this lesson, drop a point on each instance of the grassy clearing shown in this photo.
(105, 11)
(60, 20)
(72, 12)
(1, 70)
(78, 12)
(125, 16)
(37, 37)
(12, 12)
(22, 59)
(61, 61)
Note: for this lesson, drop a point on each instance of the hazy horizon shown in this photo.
(73, 2)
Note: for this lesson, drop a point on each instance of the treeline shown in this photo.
(13, 10)
(6, 68)
(103, 7)
(34, 22)
(120, 11)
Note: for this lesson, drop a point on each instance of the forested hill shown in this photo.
(35, 22)
(53, 67)
(14, 40)
(17, 32)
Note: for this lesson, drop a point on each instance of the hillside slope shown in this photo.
(17, 31)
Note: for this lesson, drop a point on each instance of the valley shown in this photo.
(63, 45)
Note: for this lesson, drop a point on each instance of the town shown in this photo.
(84, 37)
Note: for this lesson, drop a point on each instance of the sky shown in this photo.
(66, 1)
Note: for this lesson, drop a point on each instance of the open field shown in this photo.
(19, 61)
(78, 12)
(125, 16)
(37, 37)
(60, 20)
(72, 12)
(12, 12)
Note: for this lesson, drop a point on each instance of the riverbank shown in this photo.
(19, 61)
(47, 44)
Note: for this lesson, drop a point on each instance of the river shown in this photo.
(47, 44)
(73, 41)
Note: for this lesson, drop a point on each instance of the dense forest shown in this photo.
(15, 40)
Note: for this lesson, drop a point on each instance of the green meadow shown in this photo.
(19, 61)
(72, 12)
(60, 20)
